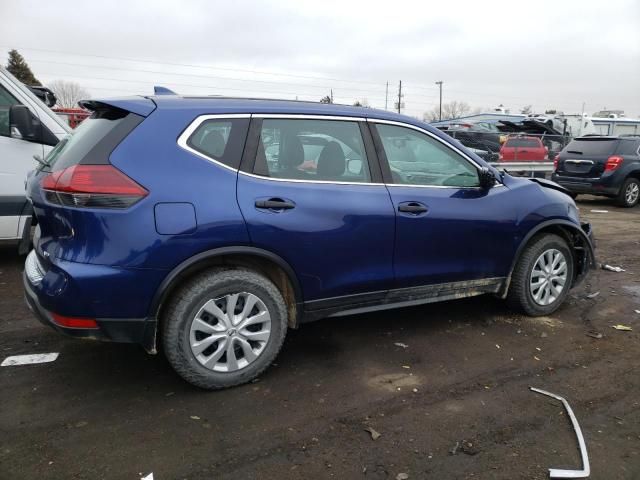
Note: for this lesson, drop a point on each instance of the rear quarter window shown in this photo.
(220, 139)
(628, 147)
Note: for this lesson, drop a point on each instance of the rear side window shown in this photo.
(593, 147)
(329, 150)
(221, 139)
(523, 142)
(94, 139)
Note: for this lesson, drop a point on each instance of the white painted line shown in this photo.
(29, 359)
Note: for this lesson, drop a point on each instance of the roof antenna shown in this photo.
(157, 90)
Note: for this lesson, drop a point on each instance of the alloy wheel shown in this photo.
(229, 333)
(632, 193)
(548, 277)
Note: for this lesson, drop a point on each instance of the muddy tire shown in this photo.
(224, 327)
(542, 277)
(629, 193)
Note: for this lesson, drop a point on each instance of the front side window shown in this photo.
(417, 159)
(6, 101)
(299, 149)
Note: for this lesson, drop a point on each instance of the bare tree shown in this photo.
(527, 109)
(450, 110)
(326, 99)
(68, 93)
(361, 103)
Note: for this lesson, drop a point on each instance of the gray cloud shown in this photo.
(551, 54)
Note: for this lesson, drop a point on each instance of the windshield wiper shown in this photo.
(40, 160)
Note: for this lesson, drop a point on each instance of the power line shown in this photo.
(174, 64)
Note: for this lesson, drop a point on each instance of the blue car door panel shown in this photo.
(310, 199)
(448, 229)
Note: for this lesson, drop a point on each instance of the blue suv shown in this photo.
(210, 226)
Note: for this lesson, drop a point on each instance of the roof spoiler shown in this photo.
(158, 90)
(138, 105)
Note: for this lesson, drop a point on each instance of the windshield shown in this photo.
(605, 146)
(523, 142)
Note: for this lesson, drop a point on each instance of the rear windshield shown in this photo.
(592, 147)
(75, 147)
(523, 142)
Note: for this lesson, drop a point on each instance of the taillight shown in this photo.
(92, 186)
(556, 160)
(612, 163)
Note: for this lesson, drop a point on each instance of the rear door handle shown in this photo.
(415, 208)
(275, 204)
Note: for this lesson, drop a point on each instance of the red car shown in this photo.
(523, 149)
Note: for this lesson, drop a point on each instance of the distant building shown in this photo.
(609, 114)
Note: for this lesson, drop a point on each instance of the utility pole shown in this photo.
(400, 96)
(439, 83)
(386, 95)
(332, 95)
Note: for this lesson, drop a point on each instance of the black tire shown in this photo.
(628, 184)
(187, 302)
(519, 296)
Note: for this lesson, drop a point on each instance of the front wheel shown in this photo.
(629, 193)
(542, 277)
(224, 328)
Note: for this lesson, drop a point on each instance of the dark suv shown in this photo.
(599, 165)
(212, 225)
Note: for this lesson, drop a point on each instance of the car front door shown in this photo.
(16, 160)
(311, 192)
(448, 229)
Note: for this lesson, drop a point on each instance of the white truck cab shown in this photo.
(27, 128)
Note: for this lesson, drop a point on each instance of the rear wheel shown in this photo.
(224, 328)
(542, 277)
(629, 193)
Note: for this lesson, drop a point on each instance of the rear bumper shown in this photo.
(45, 294)
(593, 186)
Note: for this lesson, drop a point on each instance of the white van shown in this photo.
(27, 128)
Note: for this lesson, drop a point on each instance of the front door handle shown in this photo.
(415, 208)
(275, 204)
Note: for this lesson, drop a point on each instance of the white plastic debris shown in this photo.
(374, 434)
(613, 269)
(29, 359)
(400, 344)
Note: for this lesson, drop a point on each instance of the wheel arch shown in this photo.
(267, 263)
(577, 239)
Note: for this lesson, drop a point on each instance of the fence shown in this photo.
(492, 142)
(518, 152)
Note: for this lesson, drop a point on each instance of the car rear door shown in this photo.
(448, 229)
(331, 220)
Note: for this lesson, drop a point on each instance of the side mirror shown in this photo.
(23, 125)
(487, 178)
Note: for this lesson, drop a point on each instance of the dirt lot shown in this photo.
(111, 411)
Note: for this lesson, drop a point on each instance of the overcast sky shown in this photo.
(550, 54)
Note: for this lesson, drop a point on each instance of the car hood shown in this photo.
(549, 184)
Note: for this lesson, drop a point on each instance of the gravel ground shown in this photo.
(112, 411)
